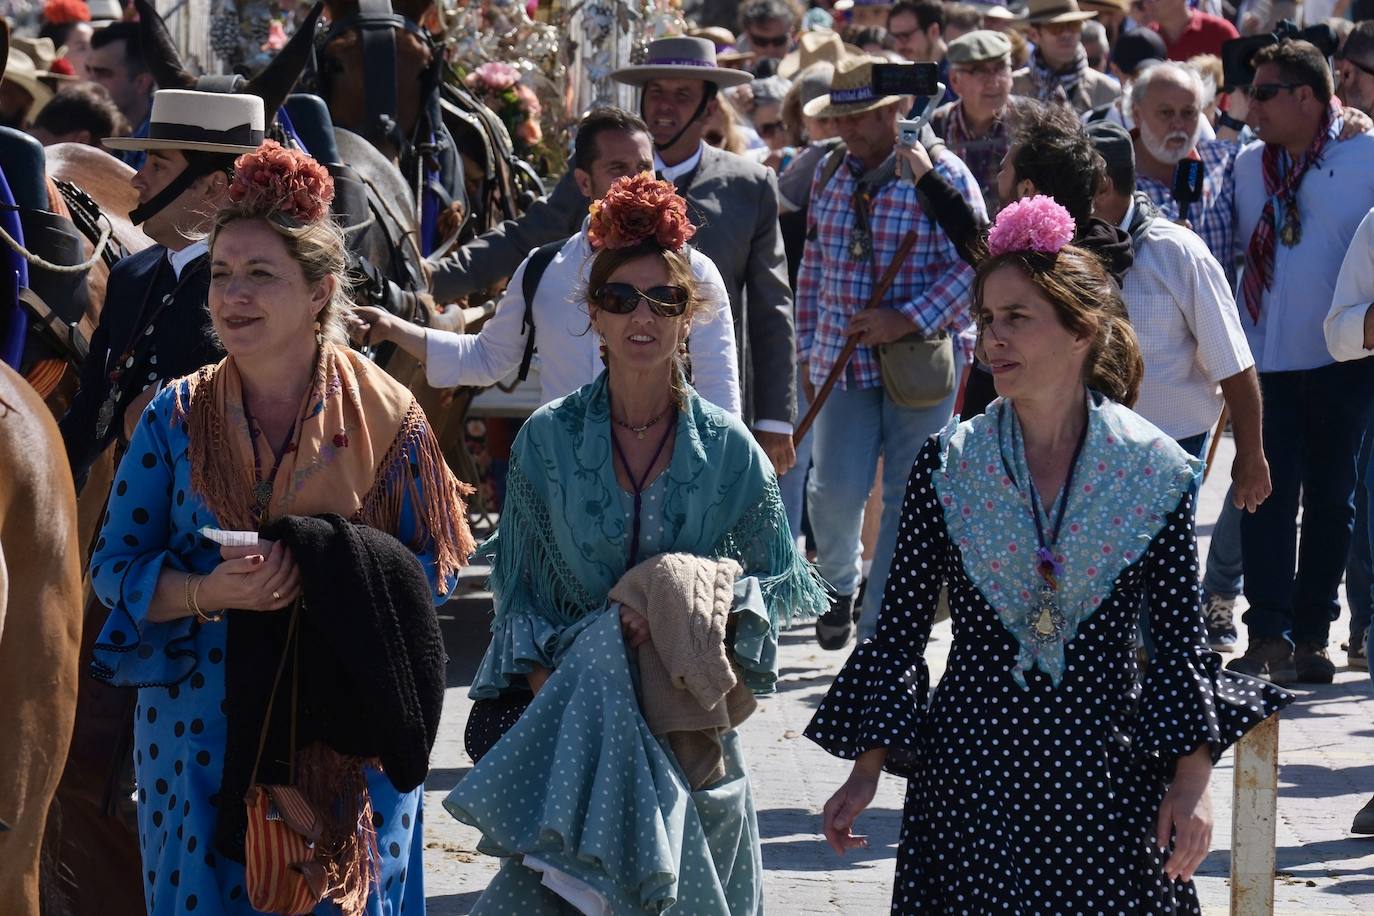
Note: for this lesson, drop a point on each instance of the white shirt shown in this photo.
(1344, 325)
(568, 355)
(1190, 332)
(674, 172)
(179, 259)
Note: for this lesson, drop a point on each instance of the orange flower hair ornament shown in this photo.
(640, 208)
(276, 181)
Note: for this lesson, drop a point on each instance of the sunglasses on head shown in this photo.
(1263, 92)
(623, 298)
(763, 41)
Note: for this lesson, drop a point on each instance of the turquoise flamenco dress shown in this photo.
(579, 784)
(154, 521)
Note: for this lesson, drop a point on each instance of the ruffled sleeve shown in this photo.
(755, 647)
(136, 542)
(518, 643)
(879, 698)
(1188, 699)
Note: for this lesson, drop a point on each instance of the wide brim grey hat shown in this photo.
(207, 122)
(1049, 12)
(681, 58)
(978, 46)
(851, 91)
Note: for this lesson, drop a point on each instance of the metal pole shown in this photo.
(1254, 817)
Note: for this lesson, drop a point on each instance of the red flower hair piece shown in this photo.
(640, 208)
(61, 12)
(274, 180)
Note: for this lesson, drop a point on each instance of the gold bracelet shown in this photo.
(192, 590)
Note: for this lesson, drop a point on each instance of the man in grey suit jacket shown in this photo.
(733, 201)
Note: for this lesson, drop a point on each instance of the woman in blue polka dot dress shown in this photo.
(290, 424)
(1044, 774)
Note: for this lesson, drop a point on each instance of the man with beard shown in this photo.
(1299, 198)
(1058, 69)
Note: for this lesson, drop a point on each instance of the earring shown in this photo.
(601, 346)
(319, 334)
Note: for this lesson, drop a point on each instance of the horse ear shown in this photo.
(160, 51)
(279, 77)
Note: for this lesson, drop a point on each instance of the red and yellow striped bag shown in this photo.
(283, 876)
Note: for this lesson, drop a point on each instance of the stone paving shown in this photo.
(1326, 774)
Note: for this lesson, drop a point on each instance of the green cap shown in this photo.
(978, 46)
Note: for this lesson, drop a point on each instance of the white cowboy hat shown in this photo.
(20, 71)
(681, 58)
(210, 122)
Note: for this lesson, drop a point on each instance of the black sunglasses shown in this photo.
(763, 41)
(1356, 64)
(1263, 92)
(623, 298)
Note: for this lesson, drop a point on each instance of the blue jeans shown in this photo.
(793, 484)
(852, 430)
(1313, 422)
(1225, 575)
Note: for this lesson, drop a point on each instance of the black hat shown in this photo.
(1112, 142)
(1134, 48)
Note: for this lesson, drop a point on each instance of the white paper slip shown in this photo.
(230, 538)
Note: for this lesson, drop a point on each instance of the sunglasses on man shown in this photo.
(1263, 92)
(624, 298)
(765, 41)
(1353, 63)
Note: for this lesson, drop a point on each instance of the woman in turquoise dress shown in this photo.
(628, 467)
(290, 423)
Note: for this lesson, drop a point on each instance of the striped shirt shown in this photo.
(933, 289)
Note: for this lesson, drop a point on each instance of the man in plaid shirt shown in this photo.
(859, 214)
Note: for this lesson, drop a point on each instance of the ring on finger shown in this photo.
(276, 595)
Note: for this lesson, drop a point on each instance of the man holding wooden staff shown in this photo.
(899, 387)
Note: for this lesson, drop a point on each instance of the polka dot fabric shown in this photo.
(1043, 799)
(178, 667)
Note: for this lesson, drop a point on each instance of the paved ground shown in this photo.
(1326, 774)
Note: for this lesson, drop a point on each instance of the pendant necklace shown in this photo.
(639, 482)
(263, 486)
(640, 430)
(1046, 617)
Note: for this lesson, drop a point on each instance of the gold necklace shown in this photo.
(641, 430)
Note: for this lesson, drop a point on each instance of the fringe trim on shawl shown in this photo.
(336, 788)
(442, 514)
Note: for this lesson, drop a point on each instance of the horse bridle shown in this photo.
(376, 24)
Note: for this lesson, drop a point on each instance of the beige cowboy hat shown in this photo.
(681, 58)
(814, 48)
(208, 122)
(20, 70)
(1048, 12)
(851, 91)
(996, 11)
(43, 52)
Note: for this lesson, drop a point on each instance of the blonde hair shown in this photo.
(606, 262)
(318, 247)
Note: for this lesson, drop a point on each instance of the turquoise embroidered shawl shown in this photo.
(1130, 476)
(563, 540)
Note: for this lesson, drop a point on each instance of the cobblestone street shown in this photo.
(1326, 774)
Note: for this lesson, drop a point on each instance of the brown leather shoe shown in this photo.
(1312, 664)
(1269, 657)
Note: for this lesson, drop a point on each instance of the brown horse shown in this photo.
(40, 631)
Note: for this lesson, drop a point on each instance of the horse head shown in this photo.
(272, 85)
(366, 39)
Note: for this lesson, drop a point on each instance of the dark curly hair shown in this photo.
(1052, 150)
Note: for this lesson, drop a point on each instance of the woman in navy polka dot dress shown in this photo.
(291, 423)
(1046, 773)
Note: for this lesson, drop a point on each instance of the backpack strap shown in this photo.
(538, 262)
(934, 147)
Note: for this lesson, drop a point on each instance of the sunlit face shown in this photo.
(907, 38)
(1058, 41)
(818, 129)
(1170, 120)
(767, 118)
(78, 45)
(1022, 340)
(769, 39)
(108, 67)
(185, 212)
(1278, 119)
(984, 87)
(260, 300)
(869, 135)
(618, 153)
(669, 106)
(642, 341)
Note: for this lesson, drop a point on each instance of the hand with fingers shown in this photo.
(845, 806)
(1186, 812)
(634, 626)
(368, 325)
(263, 577)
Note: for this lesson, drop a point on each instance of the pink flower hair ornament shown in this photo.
(640, 208)
(1036, 223)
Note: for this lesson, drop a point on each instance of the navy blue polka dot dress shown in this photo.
(153, 521)
(1039, 800)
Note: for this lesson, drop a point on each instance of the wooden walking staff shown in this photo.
(852, 344)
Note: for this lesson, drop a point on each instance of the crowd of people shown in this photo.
(812, 352)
